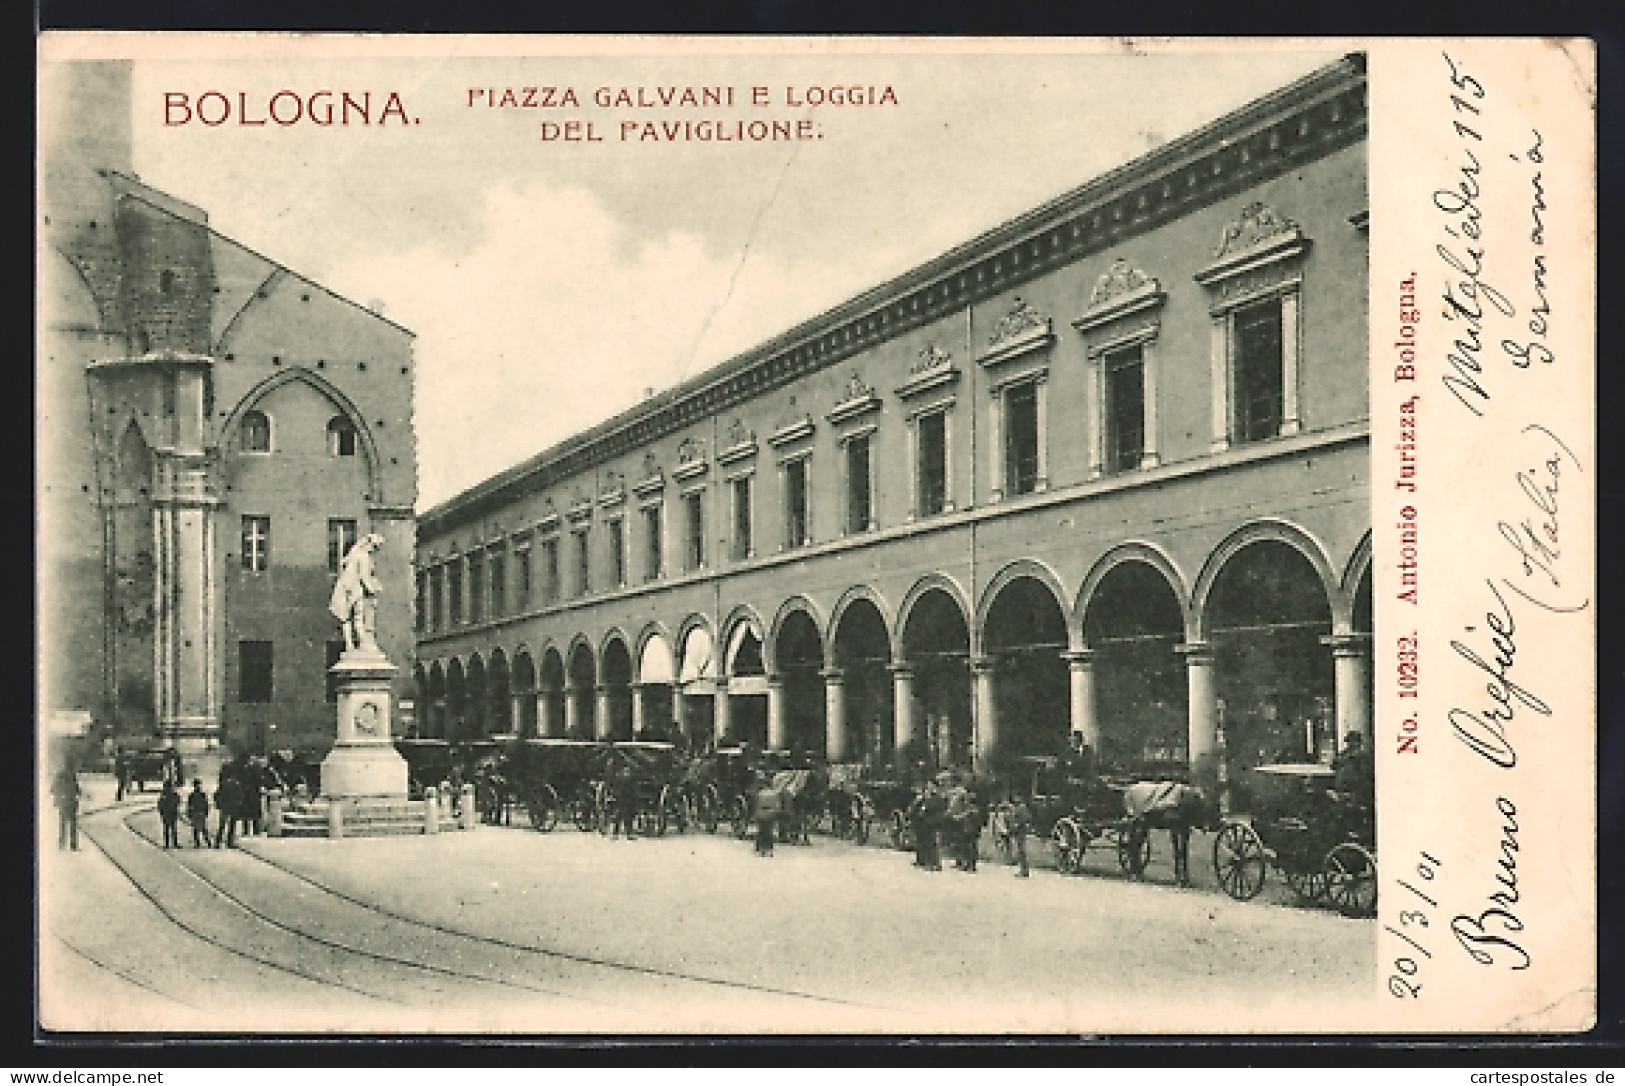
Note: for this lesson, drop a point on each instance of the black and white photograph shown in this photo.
(707, 536)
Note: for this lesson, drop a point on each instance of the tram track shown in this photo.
(127, 975)
(509, 966)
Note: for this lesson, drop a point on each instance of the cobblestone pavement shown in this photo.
(506, 929)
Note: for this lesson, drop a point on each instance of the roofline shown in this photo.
(1346, 73)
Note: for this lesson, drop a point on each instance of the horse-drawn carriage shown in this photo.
(557, 779)
(162, 765)
(718, 785)
(428, 763)
(650, 777)
(1322, 842)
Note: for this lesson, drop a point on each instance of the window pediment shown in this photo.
(933, 369)
(857, 399)
(1121, 292)
(1019, 332)
(1259, 237)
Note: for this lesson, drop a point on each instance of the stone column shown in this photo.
(834, 714)
(637, 710)
(603, 721)
(572, 712)
(1081, 673)
(1041, 413)
(720, 713)
(987, 711)
(1351, 671)
(1219, 363)
(1290, 422)
(544, 712)
(1204, 712)
(1150, 455)
(186, 650)
(902, 678)
(677, 708)
(775, 712)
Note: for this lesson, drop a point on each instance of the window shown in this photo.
(694, 530)
(741, 494)
(454, 591)
(521, 569)
(1021, 438)
(795, 503)
(254, 672)
(583, 562)
(256, 543)
(335, 649)
(1125, 409)
(255, 431)
(437, 584)
(499, 585)
(340, 436)
(340, 538)
(859, 498)
(476, 588)
(653, 543)
(932, 436)
(1258, 372)
(617, 552)
(419, 613)
(550, 570)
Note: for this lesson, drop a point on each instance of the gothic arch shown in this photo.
(848, 598)
(746, 615)
(940, 581)
(614, 633)
(1359, 565)
(796, 603)
(341, 402)
(651, 631)
(1277, 531)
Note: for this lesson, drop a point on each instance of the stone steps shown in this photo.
(366, 818)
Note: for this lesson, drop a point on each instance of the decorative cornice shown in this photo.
(691, 470)
(1123, 290)
(1019, 332)
(650, 484)
(741, 444)
(1257, 237)
(927, 380)
(794, 430)
(857, 399)
(614, 492)
(931, 357)
(1309, 119)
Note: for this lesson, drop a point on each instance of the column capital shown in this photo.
(1080, 659)
(1197, 653)
(1348, 644)
(833, 675)
(901, 671)
(983, 664)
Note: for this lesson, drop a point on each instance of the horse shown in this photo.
(803, 793)
(1171, 806)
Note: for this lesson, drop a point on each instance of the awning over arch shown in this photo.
(654, 664)
(698, 669)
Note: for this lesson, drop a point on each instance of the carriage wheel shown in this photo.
(899, 833)
(1069, 843)
(1310, 885)
(740, 817)
(543, 808)
(1238, 861)
(1351, 880)
(1134, 848)
(584, 813)
(673, 812)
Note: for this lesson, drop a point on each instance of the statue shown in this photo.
(355, 596)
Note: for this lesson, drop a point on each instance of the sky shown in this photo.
(551, 283)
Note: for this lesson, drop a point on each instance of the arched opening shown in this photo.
(134, 575)
(416, 726)
(696, 681)
(1025, 635)
(501, 715)
(798, 656)
(254, 432)
(524, 695)
(1134, 625)
(1267, 614)
(552, 684)
(936, 644)
(578, 707)
(456, 702)
(617, 691)
(747, 688)
(656, 683)
(341, 436)
(863, 655)
(477, 704)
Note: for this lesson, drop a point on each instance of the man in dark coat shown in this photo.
(228, 797)
(65, 790)
(197, 813)
(169, 812)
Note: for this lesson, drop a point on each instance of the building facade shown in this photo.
(1103, 469)
(214, 430)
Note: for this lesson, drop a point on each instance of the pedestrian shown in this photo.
(971, 831)
(65, 790)
(767, 811)
(1021, 824)
(121, 773)
(228, 795)
(253, 800)
(626, 803)
(197, 813)
(929, 811)
(169, 811)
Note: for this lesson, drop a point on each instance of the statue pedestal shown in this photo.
(363, 762)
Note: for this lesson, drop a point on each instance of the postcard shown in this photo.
(776, 536)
